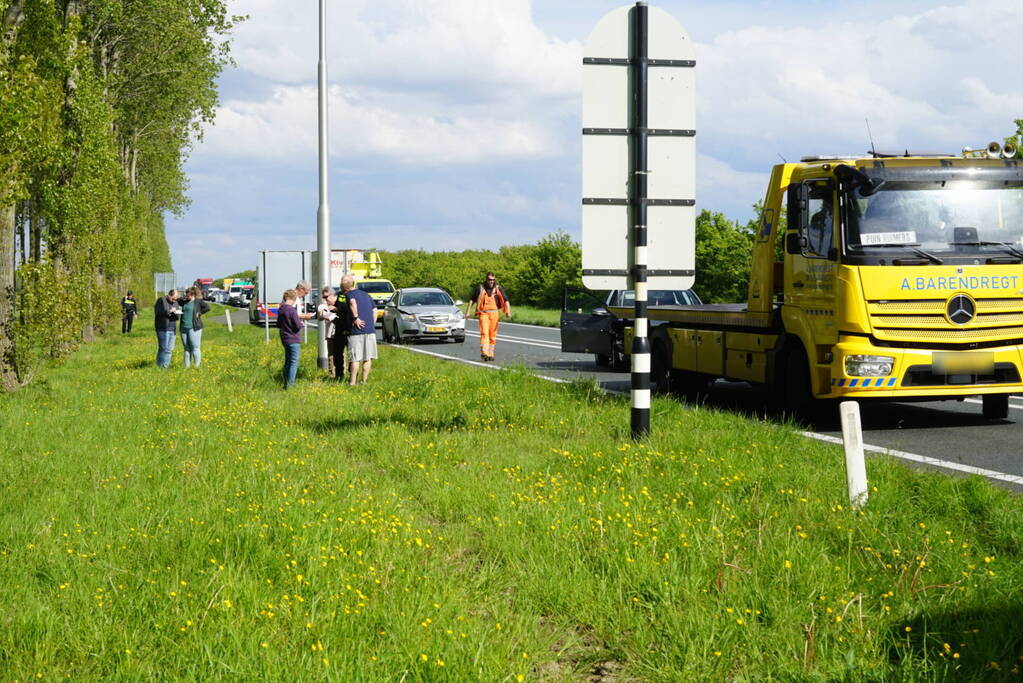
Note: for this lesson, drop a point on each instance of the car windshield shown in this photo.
(425, 299)
(375, 287)
(953, 216)
(662, 297)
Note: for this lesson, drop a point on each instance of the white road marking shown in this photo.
(476, 363)
(520, 340)
(923, 459)
(980, 402)
(538, 327)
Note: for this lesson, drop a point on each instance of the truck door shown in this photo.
(813, 256)
(585, 323)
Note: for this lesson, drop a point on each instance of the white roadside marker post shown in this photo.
(855, 465)
(227, 314)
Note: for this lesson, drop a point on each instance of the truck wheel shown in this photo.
(619, 362)
(660, 369)
(688, 385)
(798, 400)
(996, 406)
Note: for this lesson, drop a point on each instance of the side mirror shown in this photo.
(793, 243)
(601, 312)
(799, 200)
(459, 302)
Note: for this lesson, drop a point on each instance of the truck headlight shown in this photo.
(862, 365)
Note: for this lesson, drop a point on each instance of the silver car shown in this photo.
(422, 313)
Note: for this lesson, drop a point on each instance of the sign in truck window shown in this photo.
(871, 238)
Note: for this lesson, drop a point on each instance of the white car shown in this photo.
(422, 313)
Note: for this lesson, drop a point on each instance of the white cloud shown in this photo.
(418, 44)
(934, 81)
(284, 127)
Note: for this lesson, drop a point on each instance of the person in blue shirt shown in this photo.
(362, 335)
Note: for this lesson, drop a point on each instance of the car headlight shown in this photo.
(457, 316)
(408, 317)
(862, 365)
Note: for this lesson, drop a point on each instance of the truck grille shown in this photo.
(906, 321)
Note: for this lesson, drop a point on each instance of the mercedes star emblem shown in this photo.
(960, 309)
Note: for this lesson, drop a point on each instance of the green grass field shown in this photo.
(453, 523)
(529, 315)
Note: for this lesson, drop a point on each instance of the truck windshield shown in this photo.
(958, 217)
(375, 287)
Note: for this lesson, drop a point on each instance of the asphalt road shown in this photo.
(952, 436)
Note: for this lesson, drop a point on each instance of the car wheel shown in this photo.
(602, 359)
(618, 361)
(996, 406)
(460, 339)
(385, 334)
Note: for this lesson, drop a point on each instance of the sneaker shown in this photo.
(484, 357)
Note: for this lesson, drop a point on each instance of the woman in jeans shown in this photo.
(192, 309)
(289, 324)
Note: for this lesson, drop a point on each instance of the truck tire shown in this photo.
(618, 361)
(797, 391)
(660, 369)
(688, 385)
(996, 406)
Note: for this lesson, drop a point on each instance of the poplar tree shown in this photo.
(100, 102)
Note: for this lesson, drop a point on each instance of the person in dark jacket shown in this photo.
(167, 313)
(192, 309)
(289, 325)
(129, 311)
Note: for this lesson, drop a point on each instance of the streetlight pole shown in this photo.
(323, 213)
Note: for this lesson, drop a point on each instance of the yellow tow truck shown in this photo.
(901, 278)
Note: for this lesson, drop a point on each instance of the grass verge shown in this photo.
(450, 523)
(528, 315)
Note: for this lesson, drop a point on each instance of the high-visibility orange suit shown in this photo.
(489, 306)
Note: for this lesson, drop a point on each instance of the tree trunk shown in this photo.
(8, 364)
(35, 231)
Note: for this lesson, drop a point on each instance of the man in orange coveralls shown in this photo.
(490, 300)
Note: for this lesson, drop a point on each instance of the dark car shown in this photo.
(587, 326)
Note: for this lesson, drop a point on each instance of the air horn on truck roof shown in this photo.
(992, 151)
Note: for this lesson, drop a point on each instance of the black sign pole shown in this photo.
(638, 134)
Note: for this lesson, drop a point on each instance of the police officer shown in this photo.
(129, 311)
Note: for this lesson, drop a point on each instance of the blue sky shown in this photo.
(455, 123)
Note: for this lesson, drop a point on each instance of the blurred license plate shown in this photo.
(963, 363)
(436, 329)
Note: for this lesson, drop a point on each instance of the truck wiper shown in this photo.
(911, 246)
(980, 243)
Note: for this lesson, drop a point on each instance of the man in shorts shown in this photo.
(362, 336)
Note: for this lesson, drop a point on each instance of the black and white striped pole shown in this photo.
(638, 277)
(638, 164)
